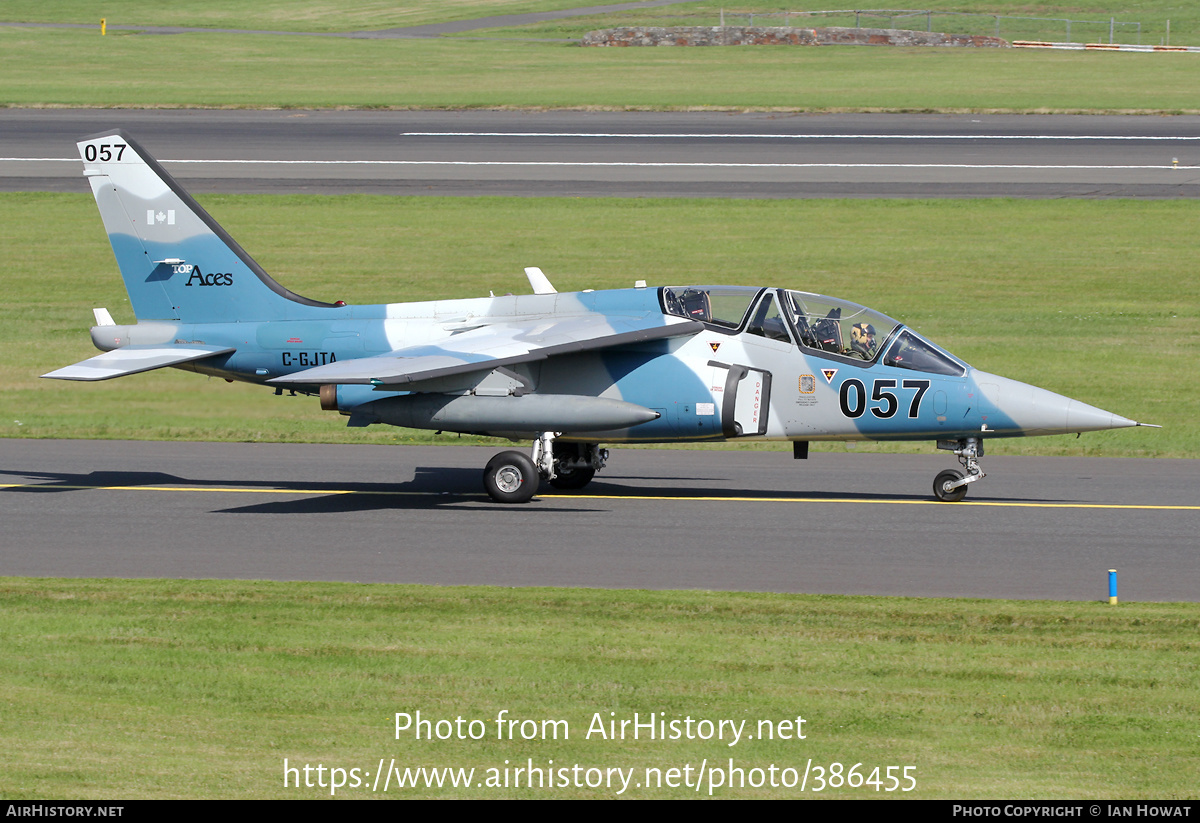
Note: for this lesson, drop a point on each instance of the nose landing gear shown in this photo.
(951, 485)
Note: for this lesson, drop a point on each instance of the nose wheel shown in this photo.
(945, 486)
(951, 484)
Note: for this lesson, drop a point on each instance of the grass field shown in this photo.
(313, 16)
(76, 67)
(131, 689)
(273, 15)
(1093, 299)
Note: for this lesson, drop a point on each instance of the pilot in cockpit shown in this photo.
(862, 341)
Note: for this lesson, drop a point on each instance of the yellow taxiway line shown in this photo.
(625, 497)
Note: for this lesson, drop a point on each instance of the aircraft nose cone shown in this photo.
(1082, 417)
(1037, 411)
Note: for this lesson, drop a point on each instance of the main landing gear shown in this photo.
(513, 476)
(951, 485)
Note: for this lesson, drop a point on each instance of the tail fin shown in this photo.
(177, 263)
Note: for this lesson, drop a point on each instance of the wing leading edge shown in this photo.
(494, 346)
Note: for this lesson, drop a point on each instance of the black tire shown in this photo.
(574, 478)
(510, 477)
(949, 495)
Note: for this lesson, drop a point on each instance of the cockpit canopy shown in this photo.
(838, 326)
(722, 306)
(815, 322)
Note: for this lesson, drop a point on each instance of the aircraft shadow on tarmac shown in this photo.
(43, 482)
(431, 488)
(637, 488)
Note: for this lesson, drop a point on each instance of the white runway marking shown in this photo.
(622, 164)
(690, 136)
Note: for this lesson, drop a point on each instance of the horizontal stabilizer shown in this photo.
(490, 347)
(134, 359)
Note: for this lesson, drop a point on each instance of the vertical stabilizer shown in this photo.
(177, 263)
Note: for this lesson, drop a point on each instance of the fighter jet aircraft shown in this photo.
(570, 372)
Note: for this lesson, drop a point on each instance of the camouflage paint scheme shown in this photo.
(668, 364)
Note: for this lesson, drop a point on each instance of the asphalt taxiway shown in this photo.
(1035, 528)
(624, 154)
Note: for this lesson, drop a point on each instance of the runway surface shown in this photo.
(1035, 528)
(625, 154)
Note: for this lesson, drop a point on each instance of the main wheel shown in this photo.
(573, 478)
(510, 477)
(941, 483)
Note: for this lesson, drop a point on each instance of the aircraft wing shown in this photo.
(134, 359)
(499, 344)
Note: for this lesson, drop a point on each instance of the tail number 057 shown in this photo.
(103, 151)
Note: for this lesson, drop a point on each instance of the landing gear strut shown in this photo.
(575, 464)
(512, 477)
(951, 485)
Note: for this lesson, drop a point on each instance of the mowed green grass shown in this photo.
(1097, 300)
(314, 16)
(176, 689)
(71, 67)
(272, 15)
